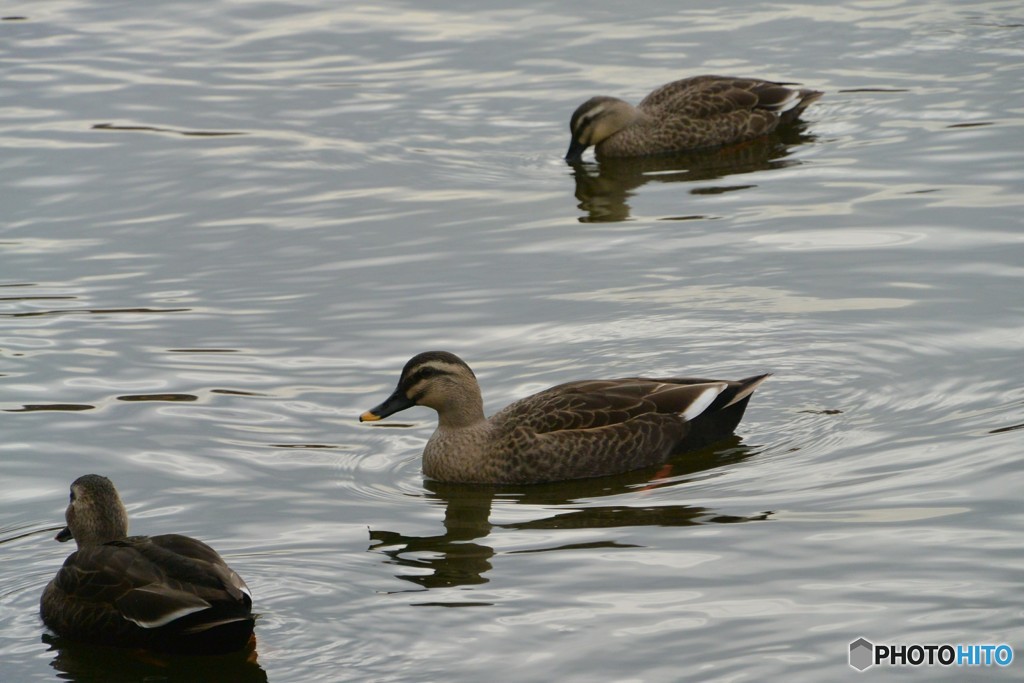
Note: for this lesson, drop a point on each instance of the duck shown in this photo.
(168, 593)
(576, 430)
(691, 114)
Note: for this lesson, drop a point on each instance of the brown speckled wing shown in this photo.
(141, 591)
(708, 96)
(594, 427)
(588, 404)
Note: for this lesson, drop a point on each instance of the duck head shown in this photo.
(95, 513)
(596, 120)
(438, 380)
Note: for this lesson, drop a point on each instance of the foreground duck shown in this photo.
(579, 429)
(170, 593)
(686, 115)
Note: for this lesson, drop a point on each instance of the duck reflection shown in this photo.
(86, 663)
(459, 557)
(603, 189)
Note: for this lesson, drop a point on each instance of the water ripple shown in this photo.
(283, 203)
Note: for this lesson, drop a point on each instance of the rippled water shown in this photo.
(226, 226)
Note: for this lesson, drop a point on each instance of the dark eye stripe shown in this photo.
(425, 373)
(589, 116)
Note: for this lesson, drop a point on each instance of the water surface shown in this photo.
(226, 226)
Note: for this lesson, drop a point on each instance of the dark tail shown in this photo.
(807, 98)
(723, 416)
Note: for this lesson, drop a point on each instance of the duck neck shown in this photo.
(462, 411)
(106, 526)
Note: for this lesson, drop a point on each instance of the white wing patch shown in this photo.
(167, 617)
(792, 100)
(155, 605)
(703, 400)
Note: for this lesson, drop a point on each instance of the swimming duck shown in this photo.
(686, 115)
(580, 429)
(170, 592)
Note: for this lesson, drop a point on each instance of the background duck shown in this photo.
(689, 114)
(170, 592)
(579, 429)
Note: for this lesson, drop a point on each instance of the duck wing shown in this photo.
(598, 427)
(590, 404)
(98, 574)
(166, 591)
(173, 577)
(212, 570)
(704, 97)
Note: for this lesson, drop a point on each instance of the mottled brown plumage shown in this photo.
(579, 429)
(170, 593)
(685, 115)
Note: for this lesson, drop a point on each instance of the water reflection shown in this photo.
(41, 407)
(99, 664)
(459, 557)
(92, 311)
(155, 129)
(603, 189)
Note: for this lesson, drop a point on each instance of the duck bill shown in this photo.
(575, 153)
(394, 403)
(63, 535)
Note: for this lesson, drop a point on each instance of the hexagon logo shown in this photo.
(861, 654)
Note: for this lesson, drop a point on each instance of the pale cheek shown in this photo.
(603, 131)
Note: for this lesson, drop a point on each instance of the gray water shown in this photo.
(225, 226)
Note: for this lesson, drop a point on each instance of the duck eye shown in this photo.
(426, 373)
